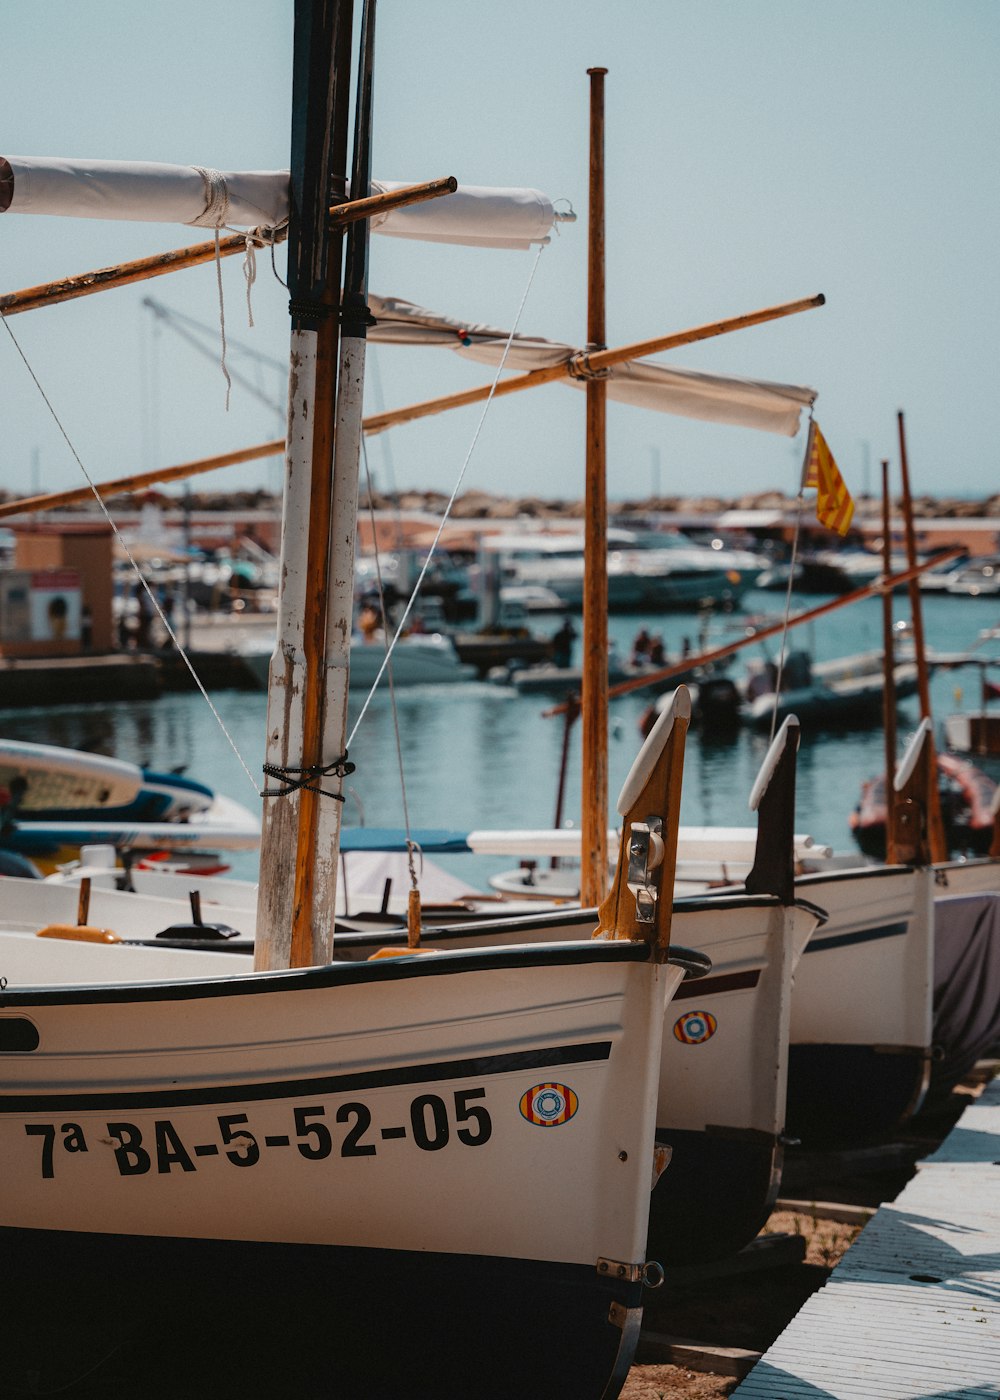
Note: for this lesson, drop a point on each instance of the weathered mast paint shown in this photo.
(296, 898)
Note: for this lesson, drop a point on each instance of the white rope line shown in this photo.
(451, 501)
(128, 554)
(222, 318)
(800, 502)
(411, 846)
(788, 609)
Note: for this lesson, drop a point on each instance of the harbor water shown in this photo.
(478, 754)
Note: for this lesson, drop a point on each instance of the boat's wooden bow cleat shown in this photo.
(640, 902)
(773, 799)
(910, 796)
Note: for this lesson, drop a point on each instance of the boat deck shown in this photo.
(913, 1308)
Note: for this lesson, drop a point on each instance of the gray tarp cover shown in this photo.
(966, 986)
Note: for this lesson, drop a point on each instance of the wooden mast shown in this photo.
(320, 104)
(935, 826)
(594, 697)
(888, 677)
(320, 849)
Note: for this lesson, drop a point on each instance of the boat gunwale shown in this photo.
(347, 974)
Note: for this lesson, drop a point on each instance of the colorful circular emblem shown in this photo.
(695, 1027)
(549, 1105)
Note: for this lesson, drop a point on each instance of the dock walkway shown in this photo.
(912, 1311)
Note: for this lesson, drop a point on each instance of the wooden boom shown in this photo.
(588, 364)
(141, 269)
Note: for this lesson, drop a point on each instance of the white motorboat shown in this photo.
(675, 573)
(423, 658)
(844, 691)
(977, 578)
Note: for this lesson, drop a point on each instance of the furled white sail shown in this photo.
(189, 194)
(474, 215)
(711, 398)
(167, 194)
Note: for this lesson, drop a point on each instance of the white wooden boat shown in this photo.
(226, 1164)
(325, 1133)
(721, 1099)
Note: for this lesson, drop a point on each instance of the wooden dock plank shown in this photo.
(912, 1311)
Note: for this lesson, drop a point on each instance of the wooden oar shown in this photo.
(640, 902)
(142, 269)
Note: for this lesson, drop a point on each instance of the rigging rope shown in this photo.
(128, 554)
(800, 502)
(451, 500)
(411, 846)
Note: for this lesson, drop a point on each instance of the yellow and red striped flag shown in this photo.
(834, 503)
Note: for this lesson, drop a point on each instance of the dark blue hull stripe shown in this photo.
(863, 935)
(476, 1067)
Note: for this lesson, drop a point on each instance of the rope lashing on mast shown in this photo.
(579, 366)
(306, 781)
(215, 216)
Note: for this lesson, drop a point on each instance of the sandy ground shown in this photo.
(751, 1310)
(748, 1311)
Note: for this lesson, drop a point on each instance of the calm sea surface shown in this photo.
(479, 755)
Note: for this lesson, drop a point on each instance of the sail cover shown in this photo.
(165, 194)
(474, 215)
(711, 398)
(190, 194)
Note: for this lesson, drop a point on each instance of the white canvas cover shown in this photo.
(186, 194)
(166, 194)
(711, 398)
(474, 215)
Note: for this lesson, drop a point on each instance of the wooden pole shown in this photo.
(142, 269)
(586, 363)
(53, 500)
(594, 694)
(935, 825)
(288, 933)
(688, 663)
(379, 422)
(888, 676)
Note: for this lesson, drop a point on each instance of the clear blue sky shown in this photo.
(758, 151)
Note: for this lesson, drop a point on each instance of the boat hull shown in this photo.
(215, 1318)
(442, 1120)
(722, 1067)
(861, 1011)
